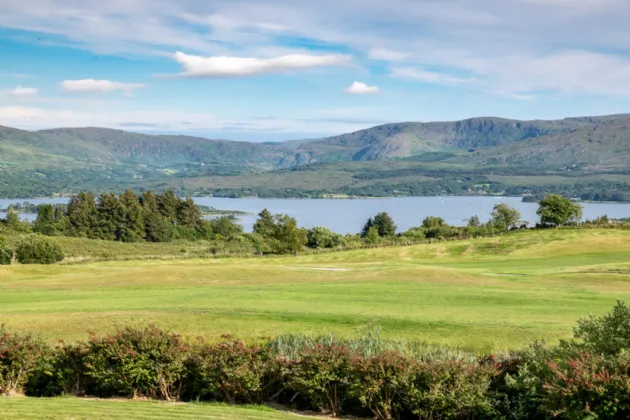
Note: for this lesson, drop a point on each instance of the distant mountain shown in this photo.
(70, 157)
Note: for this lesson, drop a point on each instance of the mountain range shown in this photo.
(63, 160)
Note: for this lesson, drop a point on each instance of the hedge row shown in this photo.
(586, 377)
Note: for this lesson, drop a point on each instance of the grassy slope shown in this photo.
(90, 409)
(486, 294)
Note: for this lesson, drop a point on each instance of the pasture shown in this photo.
(488, 294)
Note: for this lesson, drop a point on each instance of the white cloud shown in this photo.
(429, 76)
(359, 88)
(196, 66)
(24, 92)
(99, 86)
(496, 42)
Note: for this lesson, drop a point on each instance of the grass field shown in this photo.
(90, 409)
(485, 294)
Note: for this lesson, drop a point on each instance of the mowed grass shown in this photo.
(486, 294)
(91, 409)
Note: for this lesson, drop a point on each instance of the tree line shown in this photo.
(151, 217)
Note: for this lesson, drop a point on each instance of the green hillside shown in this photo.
(574, 155)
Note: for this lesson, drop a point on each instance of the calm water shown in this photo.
(348, 216)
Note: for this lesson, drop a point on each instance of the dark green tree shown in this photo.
(366, 227)
(188, 214)
(133, 220)
(384, 225)
(82, 215)
(45, 222)
(557, 210)
(156, 226)
(168, 203)
(111, 217)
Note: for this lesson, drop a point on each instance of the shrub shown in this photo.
(37, 249)
(322, 237)
(588, 386)
(608, 334)
(20, 355)
(322, 374)
(137, 362)
(232, 372)
(69, 371)
(381, 382)
(449, 389)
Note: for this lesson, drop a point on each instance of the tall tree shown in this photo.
(366, 227)
(156, 226)
(82, 215)
(188, 214)
(168, 203)
(111, 217)
(133, 220)
(384, 225)
(45, 222)
(265, 225)
(558, 210)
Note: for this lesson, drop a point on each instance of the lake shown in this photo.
(349, 215)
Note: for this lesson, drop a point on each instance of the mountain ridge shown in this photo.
(55, 159)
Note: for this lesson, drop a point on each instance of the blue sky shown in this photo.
(262, 70)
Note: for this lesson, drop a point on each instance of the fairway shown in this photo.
(90, 409)
(483, 294)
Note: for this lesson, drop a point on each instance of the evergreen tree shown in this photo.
(156, 226)
(168, 203)
(372, 236)
(111, 217)
(133, 219)
(265, 225)
(366, 227)
(82, 215)
(385, 225)
(45, 222)
(188, 214)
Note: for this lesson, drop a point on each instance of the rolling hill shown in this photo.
(471, 152)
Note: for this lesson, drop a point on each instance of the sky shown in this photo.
(264, 70)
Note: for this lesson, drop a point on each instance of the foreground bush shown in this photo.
(587, 377)
(137, 362)
(37, 249)
(232, 372)
(20, 356)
